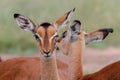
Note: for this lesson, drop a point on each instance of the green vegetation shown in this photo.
(94, 14)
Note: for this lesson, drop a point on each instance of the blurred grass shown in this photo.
(94, 14)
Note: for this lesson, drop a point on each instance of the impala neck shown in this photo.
(49, 68)
(75, 55)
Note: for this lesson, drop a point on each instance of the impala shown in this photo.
(45, 68)
(73, 45)
(75, 41)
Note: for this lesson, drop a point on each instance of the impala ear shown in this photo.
(75, 27)
(24, 22)
(60, 24)
(74, 30)
(62, 21)
(97, 35)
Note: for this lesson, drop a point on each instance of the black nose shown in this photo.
(46, 54)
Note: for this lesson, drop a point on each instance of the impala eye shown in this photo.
(36, 36)
(64, 34)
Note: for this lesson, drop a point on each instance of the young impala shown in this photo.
(45, 68)
(75, 41)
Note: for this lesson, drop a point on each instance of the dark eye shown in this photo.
(57, 38)
(64, 34)
(36, 37)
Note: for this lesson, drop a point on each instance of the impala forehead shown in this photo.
(43, 31)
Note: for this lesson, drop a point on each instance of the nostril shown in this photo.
(46, 52)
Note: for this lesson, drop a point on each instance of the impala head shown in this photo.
(97, 35)
(46, 33)
(75, 33)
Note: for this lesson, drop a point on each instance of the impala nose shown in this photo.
(47, 54)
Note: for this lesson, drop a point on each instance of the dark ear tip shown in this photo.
(110, 30)
(77, 21)
(73, 9)
(16, 15)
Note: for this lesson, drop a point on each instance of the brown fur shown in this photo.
(75, 55)
(0, 59)
(26, 69)
(110, 72)
(60, 21)
(46, 44)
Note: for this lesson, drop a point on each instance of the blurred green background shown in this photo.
(93, 14)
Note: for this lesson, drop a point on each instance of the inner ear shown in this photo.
(74, 31)
(24, 22)
(75, 27)
(98, 35)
